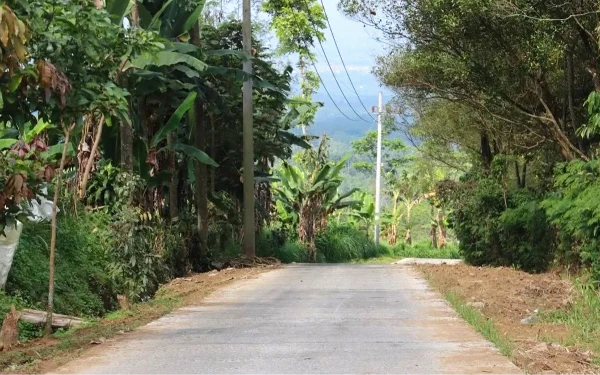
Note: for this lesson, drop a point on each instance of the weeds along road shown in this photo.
(360, 319)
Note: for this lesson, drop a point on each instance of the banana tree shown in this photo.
(306, 197)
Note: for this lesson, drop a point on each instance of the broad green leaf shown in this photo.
(158, 14)
(292, 139)
(228, 52)
(144, 16)
(174, 120)
(14, 83)
(189, 23)
(7, 143)
(193, 152)
(57, 149)
(167, 58)
(118, 9)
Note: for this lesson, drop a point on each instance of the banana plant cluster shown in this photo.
(307, 196)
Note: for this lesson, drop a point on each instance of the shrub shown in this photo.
(423, 249)
(498, 226)
(341, 243)
(574, 208)
(82, 286)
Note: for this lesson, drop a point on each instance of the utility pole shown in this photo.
(378, 169)
(248, 134)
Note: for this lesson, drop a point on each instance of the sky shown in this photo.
(359, 50)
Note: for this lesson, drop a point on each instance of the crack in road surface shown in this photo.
(325, 319)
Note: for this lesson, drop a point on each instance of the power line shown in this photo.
(328, 64)
(327, 91)
(343, 63)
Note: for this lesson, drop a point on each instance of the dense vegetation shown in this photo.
(506, 92)
(129, 114)
(126, 116)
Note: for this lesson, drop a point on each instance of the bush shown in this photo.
(499, 227)
(423, 249)
(342, 243)
(82, 287)
(574, 209)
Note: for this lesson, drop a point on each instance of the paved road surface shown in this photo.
(306, 319)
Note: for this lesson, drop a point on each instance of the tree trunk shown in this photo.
(200, 173)
(486, 151)
(517, 174)
(9, 334)
(213, 154)
(442, 231)
(433, 235)
(173, 185)
(50, 307)
(58, 320)
(135, 15)
(393, 235)
(408, 237)
(571, 95)
(126, 133)
(91, 159)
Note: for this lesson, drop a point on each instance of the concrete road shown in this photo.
(324, 319)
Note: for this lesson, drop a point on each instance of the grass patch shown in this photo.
(481, 324)
(583, 315)
(421, 249)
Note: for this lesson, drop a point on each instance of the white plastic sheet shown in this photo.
(39, 210)
(8, 245)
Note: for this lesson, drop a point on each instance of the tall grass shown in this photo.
(481, 324)
(583, 315)
(337, 244)
(345, 243)
(423, 249)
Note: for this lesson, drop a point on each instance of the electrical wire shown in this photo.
(330, 68)
(327, 91)
(343, 63)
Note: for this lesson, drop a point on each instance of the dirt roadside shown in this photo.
(46, 354)
(506, 296)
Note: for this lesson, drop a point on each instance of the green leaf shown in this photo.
(118, 9)
(144, 16)
(175, 119)
(193, 152)
(57, 149)
(14, 83)
(227, 52)
(292, 139)
(158, 14)
(7, 143)
(189, 23)
(167, 58)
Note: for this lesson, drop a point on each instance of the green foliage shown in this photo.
(582, 315)
(136, 265)
(306, 196)
(82, 285)
(574, 208)
(498, 227)
(102, 186)
(343, 243)
(423, 249)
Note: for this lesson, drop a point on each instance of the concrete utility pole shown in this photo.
(248, 146)
(378, 169)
